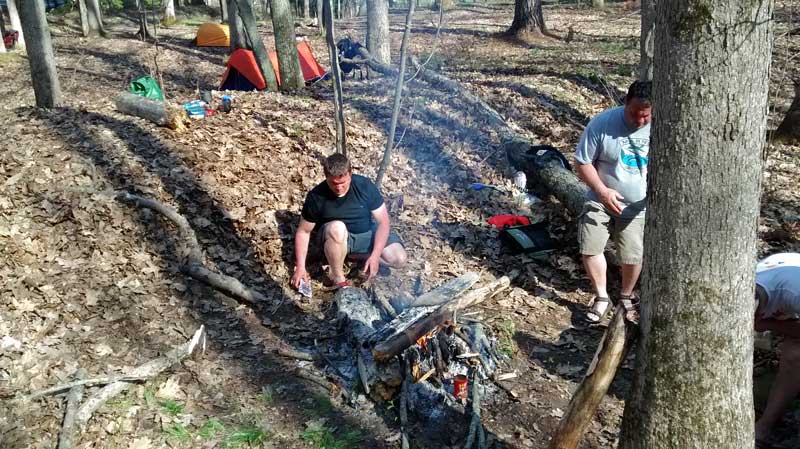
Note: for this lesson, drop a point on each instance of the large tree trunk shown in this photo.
(251, 39)
(94, 16)
(286, 46)
(789, 129)
(693, 380)
(84, 15)
(16, 25)
(378, 30)
(223, 11)
(528, 18)
(169, 12)
(40, 54)
(144, 26)
(318, 14)
(235, 26)
(647, 40)
(306, 9)
(598, 4)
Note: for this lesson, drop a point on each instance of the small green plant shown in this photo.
(173, 408)
(178, 432)
(267, 395)
(210, 428)
(506, 330)
(245, 436)
(323, 438)
(149, 394)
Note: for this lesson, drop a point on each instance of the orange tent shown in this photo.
(308, 64)
(213, 35)
(242, 73)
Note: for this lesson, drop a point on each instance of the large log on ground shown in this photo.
(398, 335)
(610, 353)
(155, 111)
(546, 175)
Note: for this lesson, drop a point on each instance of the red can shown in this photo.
(460, 386)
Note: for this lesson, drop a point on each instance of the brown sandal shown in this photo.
(598, 309)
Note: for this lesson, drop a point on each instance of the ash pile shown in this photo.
(427, 351)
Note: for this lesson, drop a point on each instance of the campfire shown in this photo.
(428, 351)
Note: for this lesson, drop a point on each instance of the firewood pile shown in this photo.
(429, 350)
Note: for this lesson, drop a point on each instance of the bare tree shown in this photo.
(341, 135)
(286, 46)
(646, 40)
(598, 4)
(378, 30)
(144, 27)
(528, 18)
(223, 11)
(46, 87)
(693, 380)
(306, 9)
(248, 37)
(16, 25)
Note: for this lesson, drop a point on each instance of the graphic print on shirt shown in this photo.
(633, 153)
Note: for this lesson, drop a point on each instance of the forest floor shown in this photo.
(89, 282)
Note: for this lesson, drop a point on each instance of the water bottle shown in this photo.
(520, 180)
(226, 103)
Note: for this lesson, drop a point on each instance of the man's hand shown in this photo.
(611, 198)
(299, 273)
(371, 266)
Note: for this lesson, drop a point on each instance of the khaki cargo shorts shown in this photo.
(596, 226)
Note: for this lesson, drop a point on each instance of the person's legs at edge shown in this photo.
(784, 389)
(630, 248)
(335, 237)
(593, 234)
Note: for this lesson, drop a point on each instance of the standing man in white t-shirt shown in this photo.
(612, 159)
(778, 296)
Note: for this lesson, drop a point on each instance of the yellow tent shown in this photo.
(213, 35)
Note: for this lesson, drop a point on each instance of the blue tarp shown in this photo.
(48, 4)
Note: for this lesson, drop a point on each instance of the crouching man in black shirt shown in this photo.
(353, 220)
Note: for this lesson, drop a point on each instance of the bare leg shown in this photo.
(596, 269)
(394, 255)
(784, 389)
(336, 249)
(630, 274)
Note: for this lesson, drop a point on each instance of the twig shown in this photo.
(73, 401)
(80, 383)
(149, 369)
(383, 302)
(475, 411)
(299, 355)
(405, 443)
(435, 43)
(362, 371)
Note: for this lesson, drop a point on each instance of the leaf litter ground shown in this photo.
(89, 282)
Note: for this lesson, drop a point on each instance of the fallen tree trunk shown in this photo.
(155, 111)
(546, 175)
(612, 350)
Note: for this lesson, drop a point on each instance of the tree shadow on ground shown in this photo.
(240, 332)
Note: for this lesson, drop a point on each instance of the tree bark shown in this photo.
(223, 11)
(789, 129)
(693, 382)
(40, 54)
(318, 14)
(94, 16)
(253, 41)
(84, 15)
(646, 40)
(16, 24)
(286, 46)
(598, 4)
(306, 9)
(144, 26)
(169, 12)
(338, 106)
(398, 96)
(378, 42)
(528, 18)
(235, 26)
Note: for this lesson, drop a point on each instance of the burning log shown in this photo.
(401, 332)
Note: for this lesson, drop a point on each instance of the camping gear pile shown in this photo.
(10, 38)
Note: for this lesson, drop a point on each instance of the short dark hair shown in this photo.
(642, 90)
(336, 164)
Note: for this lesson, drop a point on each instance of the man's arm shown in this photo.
(301, 239)
(609, 197)
(381, 217)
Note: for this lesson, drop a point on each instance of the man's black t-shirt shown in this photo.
(354, 208)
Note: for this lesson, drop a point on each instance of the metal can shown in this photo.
(460, 384)
(520, 180)
(226, 103)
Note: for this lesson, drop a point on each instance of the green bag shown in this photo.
(147, 87)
